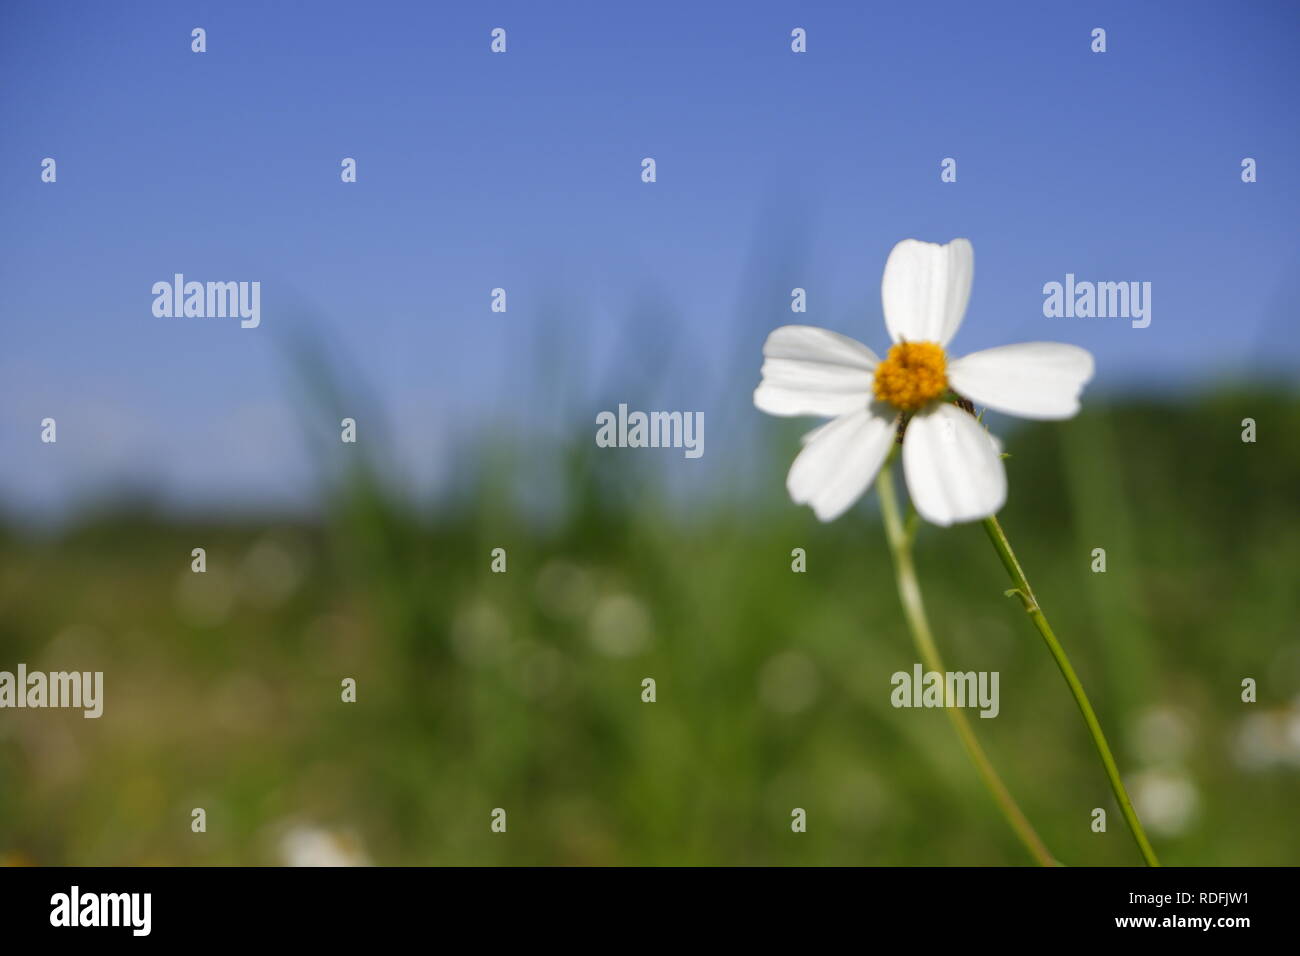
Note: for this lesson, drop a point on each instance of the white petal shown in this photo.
(811, 371)
(952, 466)
(835, 467)
(1032, 379)
(926, 288)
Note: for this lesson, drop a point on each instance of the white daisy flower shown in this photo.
(952, 464)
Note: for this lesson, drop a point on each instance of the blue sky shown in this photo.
(522, 171)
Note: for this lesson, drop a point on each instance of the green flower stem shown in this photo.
(909, 592)
(1026, 595)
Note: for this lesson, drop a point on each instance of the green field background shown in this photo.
(522, 690)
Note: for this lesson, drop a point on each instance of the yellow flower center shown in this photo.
(913, 374)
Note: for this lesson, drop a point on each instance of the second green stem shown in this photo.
(1026, 595)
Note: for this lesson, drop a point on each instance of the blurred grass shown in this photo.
(522, 690)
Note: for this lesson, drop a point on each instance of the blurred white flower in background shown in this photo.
(619, 625)
(1269, 738)
(1165, 799)
(306, 845)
